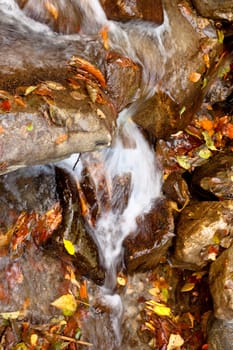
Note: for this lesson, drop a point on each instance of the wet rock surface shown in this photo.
(202, 229)
(216, 176)
(221, 285)
(125, 10)
(149, 244)
(33, 257)
(220, 9)
(220, 335)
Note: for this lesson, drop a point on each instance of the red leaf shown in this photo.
(6, 105)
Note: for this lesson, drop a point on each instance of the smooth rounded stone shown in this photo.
(202, 229)
(216, 176)
(221, 285)
(124, 10)
(220, 335)
(175, 188)
(144, 248)
(216, 9)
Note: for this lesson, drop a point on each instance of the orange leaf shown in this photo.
(60, 139)
(194, 77)
(51, 9)
(90, 68)
(104, 35)
(20, 101)
(206, 59)
(207, 124)
(83, 290)
(1, 129)
(229, 131)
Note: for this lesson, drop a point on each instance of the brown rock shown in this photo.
(217, 9)
(151, 10)
(202, 229)
(149, 244)
(221, 285)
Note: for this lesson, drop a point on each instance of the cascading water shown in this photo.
(130, 155)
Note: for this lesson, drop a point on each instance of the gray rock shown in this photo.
(202, 228)
(220, 335)
(221, 285)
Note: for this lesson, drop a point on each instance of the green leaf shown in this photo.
(205, 153)
(183, 109)
(220, 36)
(70, 248)
(208, 140)
(183, 161)
(204, 83)
(29, 127)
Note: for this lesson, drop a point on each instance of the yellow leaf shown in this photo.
(159, 309)
(10, 315)
(183, 161)
(66, 303)
(154, 291)
(187, 287)
(69, 246)
(205, 153)
(194, 77)
(29, 90)
(34, 339)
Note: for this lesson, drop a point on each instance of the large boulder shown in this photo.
(216, 9)
(202, 230)
(221, 285)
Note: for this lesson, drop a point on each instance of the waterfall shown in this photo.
(130, 156)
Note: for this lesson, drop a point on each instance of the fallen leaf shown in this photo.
(88, 67)
(187, 287)
(2, 129)
(20, 101)
(51, 9)
(220, 36)
(11, 315)
(34, 339)
(194, 77)
(228, 131)
(205, 153)
(207, 124)
(206, 59)
(77, 95)
(104, 35)
(209, 142)
(183, 109)
(158, 308)
(54, 85)
(29, 90)
(29, 127)
(183, 162)
(83, 290)
(66, 303)
(175, 342)
(6, 105)
(70, 248)
(61, 138)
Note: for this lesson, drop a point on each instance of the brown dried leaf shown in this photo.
(88, 67)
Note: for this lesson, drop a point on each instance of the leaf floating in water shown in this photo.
(66, 303)
(70, 248)
(194, 77)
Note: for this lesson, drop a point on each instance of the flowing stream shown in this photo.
(130, 154)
